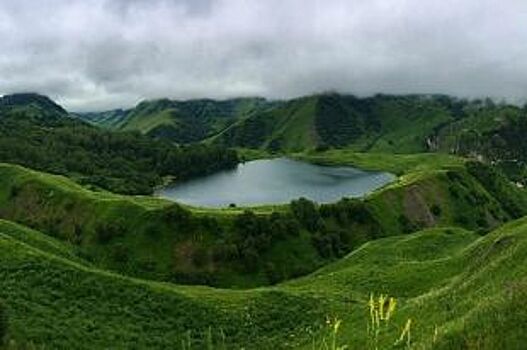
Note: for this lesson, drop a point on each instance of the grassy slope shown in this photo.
(297, 131)
(467, 290)
(395, 163)
(146, 124)
(155, 243)
(152, 243)
(390, 124)
(287, 127)
(63, 304)
(406, 125)
(192, 120)
(469, 134)
(112, 119)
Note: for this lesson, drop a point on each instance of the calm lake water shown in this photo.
(275, 181)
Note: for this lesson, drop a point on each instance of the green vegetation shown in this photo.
(398, 164)
(451, 283)
(492, 132)
(180, 121)
(157, 239)
(379, 124)
(389, 124)
(3, 323)
(112, 119)
(81, 267)
(121, 162)
(280, 128)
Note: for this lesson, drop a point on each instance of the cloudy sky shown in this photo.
(101, 54)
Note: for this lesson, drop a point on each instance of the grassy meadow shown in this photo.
(450, 283)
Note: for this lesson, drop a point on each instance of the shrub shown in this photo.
(306, 212)
(436, 210)
(329, 244)
(105, 232)
(200, 257)
(15, 191)
(120, 253)
(407, 226)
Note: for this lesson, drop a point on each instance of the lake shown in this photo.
(275, 181)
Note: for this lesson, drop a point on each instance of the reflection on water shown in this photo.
(275, 181)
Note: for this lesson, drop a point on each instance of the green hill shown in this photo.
(157, 239)
(459, 289)
(289, 126)
(112, 119)
(376, 124)
(398, 124)
(491, 132)
(181, 121)
(37, 133)
(32, 105)
(381, 123)
(81, 267)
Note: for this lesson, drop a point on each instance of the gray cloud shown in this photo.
(99, 54)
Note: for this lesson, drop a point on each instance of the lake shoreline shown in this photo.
(276, 181)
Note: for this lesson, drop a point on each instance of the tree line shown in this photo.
(124, 162)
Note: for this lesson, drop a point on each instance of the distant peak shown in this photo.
(31, 98)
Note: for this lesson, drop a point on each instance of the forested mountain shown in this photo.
(489, 132)
(31, 105)
(381, 123)
(36, 132)
(480, 129)
(179, 121)
(112, 119)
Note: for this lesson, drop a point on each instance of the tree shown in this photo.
(307, 214)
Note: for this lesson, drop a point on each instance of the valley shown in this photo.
(88, 252)
(263, 175)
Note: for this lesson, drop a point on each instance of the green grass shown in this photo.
(113, 309)
(144, 239)
(157, 239)
(248, 154)
(405, 126)
(297, 131)
(378, 124)
(146, 124)
(466, 289)
(398, 164)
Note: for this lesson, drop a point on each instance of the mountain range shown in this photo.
(89, 259)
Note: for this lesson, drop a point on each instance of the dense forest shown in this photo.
(37, 133)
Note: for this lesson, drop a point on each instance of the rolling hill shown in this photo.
(156, 239)
(179, 121)
(82, 267)
(325, 120)
(31, 105)
(398, 124)
(36, 132)
(112, 119)
(376, 124)
(460, 291)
